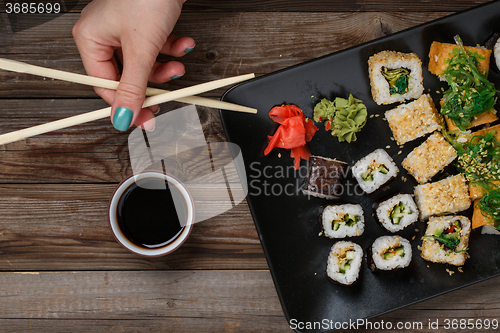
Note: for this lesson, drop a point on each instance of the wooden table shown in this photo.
(60, 268)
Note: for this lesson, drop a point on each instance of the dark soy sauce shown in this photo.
(147, 215)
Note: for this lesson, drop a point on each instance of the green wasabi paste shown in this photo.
(343, 117)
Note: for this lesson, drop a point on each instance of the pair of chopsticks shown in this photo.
(185, 95)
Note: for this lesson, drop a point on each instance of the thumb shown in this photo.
(131, 91)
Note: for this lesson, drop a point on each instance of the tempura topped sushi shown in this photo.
(446, 240)
(449, 195)
(395, 77)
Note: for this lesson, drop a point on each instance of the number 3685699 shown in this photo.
(32, 8)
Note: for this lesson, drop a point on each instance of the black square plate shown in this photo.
(287, 220)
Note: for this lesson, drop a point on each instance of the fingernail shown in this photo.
(157, 110)
(189, 49)
(122, 118)
(147, 125)
(176, 76)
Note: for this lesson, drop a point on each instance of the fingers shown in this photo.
(145, 120)
(130, 94)
(178, 46)
(139, 68)
(163, 72)
(98, 61)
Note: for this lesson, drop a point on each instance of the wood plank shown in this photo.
(93, 152)
(178, 301)
(329, 6)
(228, 44)
(64, 227)
(309, 6)
(191, 301)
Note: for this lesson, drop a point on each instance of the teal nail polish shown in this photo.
(122, 118)
(189, 49)
(176, 77)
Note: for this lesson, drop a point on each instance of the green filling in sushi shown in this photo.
(345, 264)
(371, 171)
(449, 237)
(400, 251)
(398, 79)
(398, 212)
(349, 220)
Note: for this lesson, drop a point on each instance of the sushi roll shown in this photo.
(426, 160)
(395, 77)
(324, 177)
(341, 221)
(374, 170)
(344, 263)
(450, 195)
(413, 120)
(389, 253)
(397, 212)
(493, 44)
(446, 240)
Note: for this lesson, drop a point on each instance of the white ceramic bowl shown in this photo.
(176, 242)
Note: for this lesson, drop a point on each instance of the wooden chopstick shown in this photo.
(105, 112)
(21, 67)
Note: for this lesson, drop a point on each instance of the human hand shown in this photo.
(138, 30)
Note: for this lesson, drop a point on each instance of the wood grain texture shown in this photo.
(64, 227)
(94, 152)
(168, 301)
(189, 301)
(329, 6)
(60, 268)
(225, 46)
(307, 5)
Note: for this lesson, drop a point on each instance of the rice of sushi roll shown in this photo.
(324, 177)
(341, 221)
(397, 212)
(496, 53)
(426, 160)
(374, 170)
(390, 253)
(446, 240)
(413, 120)
(449, 195)
(344, 262)
(395, 77)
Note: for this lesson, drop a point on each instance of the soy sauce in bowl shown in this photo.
(150, 211)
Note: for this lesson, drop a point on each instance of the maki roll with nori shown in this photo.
(389, 253)
(446, 240)
(341, 221)
(374, 170)
(344, 262)
(324, 177)
(397, 212)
